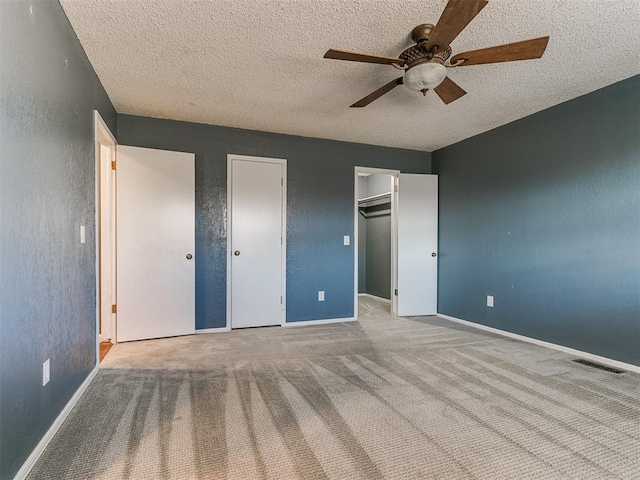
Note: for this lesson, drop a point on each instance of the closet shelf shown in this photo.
(380, 196)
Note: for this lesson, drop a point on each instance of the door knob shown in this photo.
(236, 253)
(434, 254)
(189, 256)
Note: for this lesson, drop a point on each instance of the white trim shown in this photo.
(53, 429)
(376, 171)
(325, 321)
(283, 259)
(110, 139)
(375, 297)
(227, 321)
(394, 233)
(101, 134)
(213, 330)
(542, 343)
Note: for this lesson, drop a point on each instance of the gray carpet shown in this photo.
(381, 398)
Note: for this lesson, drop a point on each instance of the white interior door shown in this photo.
(155, 243)
(417, 210)
(256, 241)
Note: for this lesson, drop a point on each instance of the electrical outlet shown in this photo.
(46, 372)
(490, 301)
(321, 296)
(347, 240)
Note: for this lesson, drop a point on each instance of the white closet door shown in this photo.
(417, 245)
(155, 243)
(256, 237)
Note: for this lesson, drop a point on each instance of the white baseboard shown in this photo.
(385, 300)
(571, 351)
(303, 323)
(53, 429)
(213, 330)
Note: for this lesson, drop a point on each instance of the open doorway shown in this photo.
(406, 206)
(105, 151)
(375, 235)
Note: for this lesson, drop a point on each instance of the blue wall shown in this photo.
(48, 91)
(544, 214)
(320, 195)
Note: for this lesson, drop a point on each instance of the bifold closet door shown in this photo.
(155, 243)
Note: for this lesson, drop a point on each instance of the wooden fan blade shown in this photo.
(449, 91)
(525, 50)
(455, 17)
(361, 57)
(378, 93)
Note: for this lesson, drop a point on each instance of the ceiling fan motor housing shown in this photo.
(417, 54)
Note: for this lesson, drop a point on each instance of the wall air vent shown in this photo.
(600, 366)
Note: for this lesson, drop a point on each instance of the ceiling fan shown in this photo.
(424, 63)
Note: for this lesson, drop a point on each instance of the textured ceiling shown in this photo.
(258, 64)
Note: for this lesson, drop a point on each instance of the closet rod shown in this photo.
(381, 213)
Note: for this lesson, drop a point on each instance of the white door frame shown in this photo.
(103, 136)
(283, 260)
(394, 235)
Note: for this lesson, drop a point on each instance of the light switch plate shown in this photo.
(82, 234)
(347, 240)
(46, 372)
(321, 296)
(490, 301)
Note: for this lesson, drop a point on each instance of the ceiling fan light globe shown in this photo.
(425, 76)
